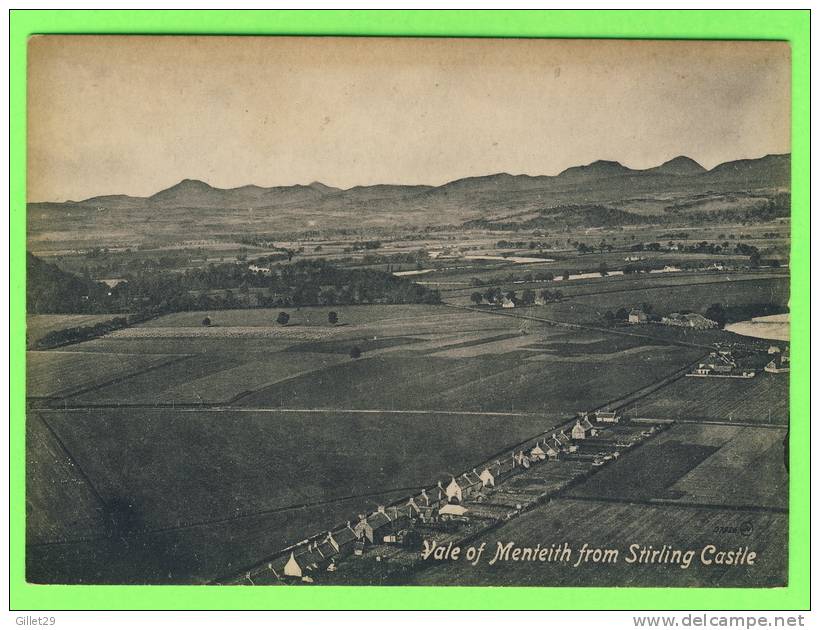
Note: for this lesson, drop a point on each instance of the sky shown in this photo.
(134, 115)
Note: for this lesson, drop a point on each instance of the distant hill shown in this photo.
(768, 171)
(180, 209)
(680, 165)
(597, 170)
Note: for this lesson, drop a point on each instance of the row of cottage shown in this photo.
(683, 320)
(393, 524)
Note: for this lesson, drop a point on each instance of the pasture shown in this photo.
(262, 480)
(60, 373)
(762, 399)
(303, 437)
(700, 464)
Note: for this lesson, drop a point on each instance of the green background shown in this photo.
(701, 24)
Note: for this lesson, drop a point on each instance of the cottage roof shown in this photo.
(292, 568)
(502, 466)
(555, 442)
(344, 535)
(537, 450)
(585, 423)
(326, 548)
(377, 520)
(452, 509)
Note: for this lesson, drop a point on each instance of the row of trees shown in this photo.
(496, 296)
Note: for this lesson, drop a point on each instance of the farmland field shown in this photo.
(197, 470)
(695, 297)
(610, 525)
(167, 481)
(154, 467)
(54, 373)
(701, 464)
(764, 399)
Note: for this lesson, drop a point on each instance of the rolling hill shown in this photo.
(197, 209)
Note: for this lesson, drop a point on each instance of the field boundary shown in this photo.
(573, 326)
(683, 504)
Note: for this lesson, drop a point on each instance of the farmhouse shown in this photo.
(504, 468)
(607, 417)
(371, 527)
(689, 320)
(507, 303)
(343, 539)
(292, 568)
(583, 429)
(521, 459)
(453, 491)
(537, 454)
(778, 365)
(304, 561)
(470, 483)
(487, 479)
(326, 547)
(426, 506)
(637, 316)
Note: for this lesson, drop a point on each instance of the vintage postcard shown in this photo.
(384, 311)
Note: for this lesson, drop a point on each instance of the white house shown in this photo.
(538, 454)
(292, 568)
(453, 491)
(487, 478)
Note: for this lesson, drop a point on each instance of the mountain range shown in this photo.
(769, 171)
(194, 209)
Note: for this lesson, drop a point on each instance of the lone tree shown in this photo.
(283, 318)
(566, 274)
(603, 269)
(355, 352)
(622, 314)
(609, 317)
(332, 318)
(206, 321)
(476, 298)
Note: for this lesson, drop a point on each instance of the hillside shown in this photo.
(49, 289)
(195, 209)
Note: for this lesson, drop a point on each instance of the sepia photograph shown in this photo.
(407, 311)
